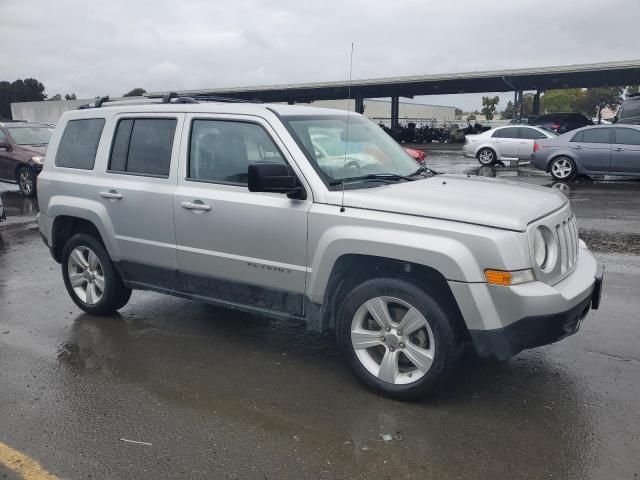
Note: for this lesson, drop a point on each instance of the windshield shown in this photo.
(31, 135)
(370, 152)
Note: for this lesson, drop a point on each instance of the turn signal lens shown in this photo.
(501, 277)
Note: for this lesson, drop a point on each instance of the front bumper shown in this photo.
(503, 321)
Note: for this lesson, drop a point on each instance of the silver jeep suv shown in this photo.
(311, 214)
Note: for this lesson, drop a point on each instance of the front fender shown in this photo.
(448, 256)
(89, 210)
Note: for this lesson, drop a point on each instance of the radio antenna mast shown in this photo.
(346, 141)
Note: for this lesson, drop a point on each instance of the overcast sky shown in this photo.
(95, 48)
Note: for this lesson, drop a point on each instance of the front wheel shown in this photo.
(91, 279)
(562, 168)
(486, 156)
(27, 181)
(397, 338)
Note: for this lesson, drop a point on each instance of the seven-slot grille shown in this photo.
(567, 233)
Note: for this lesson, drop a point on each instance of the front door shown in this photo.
(137, 192)
(7, 164)
(593, 148)
(625, 152)
(236, 246)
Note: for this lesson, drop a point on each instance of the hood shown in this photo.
(37, 150)
(478, 200)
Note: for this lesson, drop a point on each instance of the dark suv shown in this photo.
(630, 110)
(561, 122)
(22, 149)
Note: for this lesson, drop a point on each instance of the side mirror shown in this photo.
(5, 145)
(274, 178)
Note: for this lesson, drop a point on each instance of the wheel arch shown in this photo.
(350, 270)
(68, 220)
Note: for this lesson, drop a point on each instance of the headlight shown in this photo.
(540, 248)
(38, 160)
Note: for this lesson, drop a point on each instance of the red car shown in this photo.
(417, 155)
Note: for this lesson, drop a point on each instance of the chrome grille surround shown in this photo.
(564, 250)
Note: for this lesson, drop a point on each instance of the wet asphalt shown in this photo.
(219, 394)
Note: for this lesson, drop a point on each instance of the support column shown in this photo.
(514, 113)
(521, 113)
(291, 102)
(395, 112)
(359, 107)
(536, 103)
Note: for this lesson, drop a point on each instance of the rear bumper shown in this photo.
(503, 321)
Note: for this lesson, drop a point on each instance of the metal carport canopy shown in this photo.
(571, 76)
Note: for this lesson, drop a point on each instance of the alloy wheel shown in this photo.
(486, 156)
(392, 340)
(86, 275)
(25, 182)
(562, 168)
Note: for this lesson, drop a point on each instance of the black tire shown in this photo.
(568, 163)
(487, 156)
(439, 320)
(114, 296)
(26, 179)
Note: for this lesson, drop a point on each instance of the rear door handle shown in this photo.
(111, 194)
(578, 147)
(618, 149)
(196, 205)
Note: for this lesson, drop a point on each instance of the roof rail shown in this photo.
(97, 104)
(170, 97)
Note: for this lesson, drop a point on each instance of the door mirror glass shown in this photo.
(274, 178)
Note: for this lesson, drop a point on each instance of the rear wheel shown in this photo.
(91, 280)
(27, 181)
(562, 168)
(397, 338)
(486, 156)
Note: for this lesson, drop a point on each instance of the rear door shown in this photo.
(137, 192)
(625, 154)
(593, 148)
(7, 166)
(527, 136)
(233, 245)
(506, 142)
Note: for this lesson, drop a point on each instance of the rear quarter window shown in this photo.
(79, 143)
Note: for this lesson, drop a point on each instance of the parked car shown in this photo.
(503, 143)
(597, 150)
(229, 204)
(629, 111)
(2, 214)
(561, 122)
(22, 149)
(418, 155)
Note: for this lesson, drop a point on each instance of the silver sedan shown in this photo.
(596, 150)
(504, 143)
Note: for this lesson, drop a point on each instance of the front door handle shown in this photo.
(111, 194)
(618, 149)
(577, 147)
(196, 205)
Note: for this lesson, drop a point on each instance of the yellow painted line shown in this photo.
(23, 465)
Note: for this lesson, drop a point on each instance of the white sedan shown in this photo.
(504, 143)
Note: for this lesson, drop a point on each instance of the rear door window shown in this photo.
(142, 146)
(509, 132)
(79, 143)
(627, 136)
(597, 135)
(531, 133)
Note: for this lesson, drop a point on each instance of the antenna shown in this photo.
(346, 142)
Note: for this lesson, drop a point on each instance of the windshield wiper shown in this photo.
(381, 177)
(423, 170)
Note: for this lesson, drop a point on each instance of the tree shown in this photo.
(597, 99)
(136, 92)
(489, 106)
(27, 90)
(55, 98)
(458, 113)
(70, 97)
(566, 100)
(507, 113)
